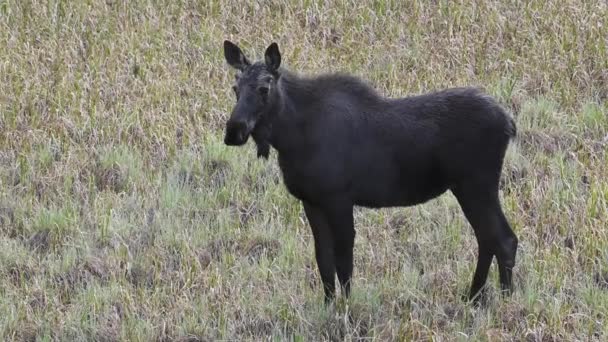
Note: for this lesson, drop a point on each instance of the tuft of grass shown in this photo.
(124, 217)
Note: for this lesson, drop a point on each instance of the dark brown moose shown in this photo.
(341, 144)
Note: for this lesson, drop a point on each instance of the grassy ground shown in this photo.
(124, 217)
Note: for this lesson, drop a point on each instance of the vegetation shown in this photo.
(124, 217)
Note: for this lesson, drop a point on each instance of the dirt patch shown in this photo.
(319, 30)
(98, 268)
(40, 241)
(111, 178)
(7, 158)
(437, 280)
(189, 179)
(140, 240)
(219, 247)
(8, 223)
(258, 185)
(47, 189)
(73, 278)
(252, 249)
(596, 146)
(38, 300)
(454, 311)
(246, 212)
(448, 313)
(14, 176)
(140, 276)
(412, 253)
(255, 328)
(159, 156)
(204, 258)
(255, 249)
(535, 84)
(399, 222)
(173, 266)
(217, 171)
(201, 214)
(7, 216)
(27, 331)
(19, 274)
(511, 176)
(333, 329)
(150, 216)
(143, 239)
(350, 325)
(569, 241)
(312, 275)
(192, 338)
(82, 275)
(592, 148)
(514, 316)
(601, 279)
(110, 324)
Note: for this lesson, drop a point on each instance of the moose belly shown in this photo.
(313, 181)
(380, 183)
(391, 186)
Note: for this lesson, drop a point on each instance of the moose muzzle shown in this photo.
(237, 133)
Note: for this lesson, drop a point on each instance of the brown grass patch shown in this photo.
(253, 249)
(76, 278)
(254, 328)
(246, 212)
(38, 300)
(28, 331)
(601, 279)
(191, 338)
(40, 241)
(511, 176)
(547, 142)
(141, 276)
(217, 171)
(111, 178)
(257, 248)
(110, 324)
(204, 258)
(8, 223)
(19, 274)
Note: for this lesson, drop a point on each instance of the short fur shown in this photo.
(341, 144)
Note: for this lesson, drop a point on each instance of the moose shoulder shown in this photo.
(341, 144)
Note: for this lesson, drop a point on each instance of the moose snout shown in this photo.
(237, 133)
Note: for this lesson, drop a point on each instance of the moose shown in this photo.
(341, 144)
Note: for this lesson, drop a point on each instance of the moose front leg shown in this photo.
(323, 249)
(340, 218)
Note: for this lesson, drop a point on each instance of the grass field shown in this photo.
(124, 217)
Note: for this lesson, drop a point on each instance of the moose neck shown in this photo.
(281, 125)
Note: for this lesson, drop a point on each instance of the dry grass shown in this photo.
(123, 216)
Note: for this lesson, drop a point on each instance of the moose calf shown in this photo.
(341, 144)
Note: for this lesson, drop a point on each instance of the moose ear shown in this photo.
(234, 56)
(272, 57)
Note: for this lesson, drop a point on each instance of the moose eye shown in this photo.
(263, 91)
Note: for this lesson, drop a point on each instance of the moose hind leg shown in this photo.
(506, 253)
(494, 236)
(343, 252)
(323, 249)
(341, 219)
(484, 260)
